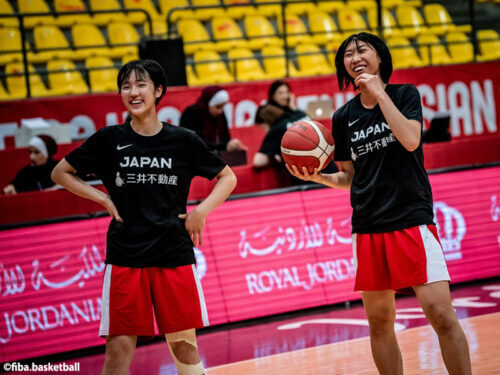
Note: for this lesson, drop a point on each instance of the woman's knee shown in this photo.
(381, 320)
(442, 318)
(185, 352)
(120, 348)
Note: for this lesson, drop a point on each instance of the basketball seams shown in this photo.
(310, 140)
(296, 152)
(291, 131)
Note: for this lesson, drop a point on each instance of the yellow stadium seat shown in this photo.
(191, 76)
(331, 50)
(35, 6)
(87, 37)
(159, 28)
(240, 11)
(322, 28)
(206, 14)
(10, 45)
(273, 59)
(194, 34)
(51, 43)
(391, 3)
(361, 5)
(460, 48)
(388, 22)
(71, 6)
(210, 69)
(330, 6)
(167, 5)
(139, 17)
(244, 66)
(105, 18)
(130, 57)
(227, 34)
(489, 45)
(269, 10)
(62, 76)
(3, 93)
(300, 8)
(403, 53)
(439, 20)
(16, 82)
(432, 52)
(296, 30)
(311, 61)
(260, 32)
(123, 33)
(350, 21)
(101, 80)
(410, 21)
(6, 8)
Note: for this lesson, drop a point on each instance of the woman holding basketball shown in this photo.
(147, 167)
(377, 138)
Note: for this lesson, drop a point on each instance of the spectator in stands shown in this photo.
(36, 175)
(277, 121)
(279, 97)
(206, 117)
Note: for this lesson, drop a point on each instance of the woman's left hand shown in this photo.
(195, 222)
(235, 145)
(370, 84)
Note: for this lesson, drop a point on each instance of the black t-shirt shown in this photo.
(148, 179)
(271, 145)
(32, 177)
(390, 189)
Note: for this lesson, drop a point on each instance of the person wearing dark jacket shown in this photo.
(207, 119)
(36, 175)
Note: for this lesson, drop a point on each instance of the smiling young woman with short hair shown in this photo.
(147, 167)
(396, 248)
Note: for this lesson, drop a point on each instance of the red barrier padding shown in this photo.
(43, 205)
(39, 205)
(260, 256)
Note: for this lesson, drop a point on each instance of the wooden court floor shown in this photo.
(419, 346)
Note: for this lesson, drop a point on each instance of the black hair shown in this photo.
(343, 78)
(275, 86)
(144, 69)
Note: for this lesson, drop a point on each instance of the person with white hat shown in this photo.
(36, 175)
(206, 118)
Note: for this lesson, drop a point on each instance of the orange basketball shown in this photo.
(308, 144)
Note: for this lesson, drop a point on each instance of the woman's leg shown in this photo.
(182, 346)
(119, 353)
(380, 309)
(435, 300)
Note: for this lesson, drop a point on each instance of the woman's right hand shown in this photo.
(111, 208)
(304, 174)
(9, 190)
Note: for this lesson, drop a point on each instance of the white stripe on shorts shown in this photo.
(436, 265)
(354, 252)
(104, 328)
(204, 313)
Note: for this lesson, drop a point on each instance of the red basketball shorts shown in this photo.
(130, 295)
(398, 260)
